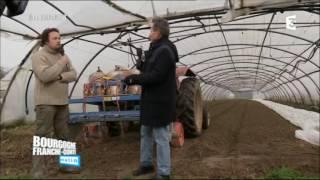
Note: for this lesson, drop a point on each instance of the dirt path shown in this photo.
(245, 140)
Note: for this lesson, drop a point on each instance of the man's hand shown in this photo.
(65, 59)
(59, 77)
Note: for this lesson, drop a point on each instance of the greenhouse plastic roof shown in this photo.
(233, 48)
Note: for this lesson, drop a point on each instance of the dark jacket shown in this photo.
(158, 98)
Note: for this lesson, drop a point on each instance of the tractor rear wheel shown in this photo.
(206, 117)
(190, 101)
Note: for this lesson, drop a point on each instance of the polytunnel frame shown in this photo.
(37, 45)
(243, 62)
(256, 45)
(243, 69)
(262, 46)
(260, 77)
(267, 30)
(296, 55)
(303, 7)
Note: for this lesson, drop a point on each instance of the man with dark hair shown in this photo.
(158, 99)
(53, 71)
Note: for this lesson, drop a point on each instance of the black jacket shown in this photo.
(157, 78)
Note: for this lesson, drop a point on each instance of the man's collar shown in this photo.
(50, 50)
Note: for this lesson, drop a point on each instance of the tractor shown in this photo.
(119, 104)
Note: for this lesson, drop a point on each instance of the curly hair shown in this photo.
(45, 35)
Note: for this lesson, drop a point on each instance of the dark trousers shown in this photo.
(49, 118)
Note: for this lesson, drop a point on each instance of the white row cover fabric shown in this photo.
(308, 121)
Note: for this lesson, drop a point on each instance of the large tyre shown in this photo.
(206, 117)
(190, 101)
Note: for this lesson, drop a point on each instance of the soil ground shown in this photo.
(245, 140)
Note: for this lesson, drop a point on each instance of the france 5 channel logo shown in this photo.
(290, 20)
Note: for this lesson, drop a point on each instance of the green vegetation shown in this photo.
(286, 173)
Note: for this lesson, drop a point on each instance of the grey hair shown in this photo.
(162, 25)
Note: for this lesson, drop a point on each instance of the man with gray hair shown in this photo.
(158, 99)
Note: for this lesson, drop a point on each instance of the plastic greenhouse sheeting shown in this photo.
(237, 49)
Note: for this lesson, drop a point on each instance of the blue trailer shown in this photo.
(103, 115)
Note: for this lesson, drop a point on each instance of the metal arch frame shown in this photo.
(199, 27)
(285, 83)
(229, 81)
(236, 30)
(252, 15)
(252, 45)
(262, 44)
(136, 23)
(306, 60)
(287, 64)
(210, 88)
(214, 24)
(19, 34)
(299, 78)
(119, 8)
(21, 23)
(279, 93)
(318, 88)
(186, 36)
(204, 12)
(264, 72)
(273, 87)
(308, 76)
(192, 19)
(205, 90)
(268, 71)
(70, 20)
(260, 77)
(215, 91)
(225, 40)
(101, 44)
(53, 6)
(297, 89)
(303, 24)
(255, 45)
(266, 65)
(75, 24)
(14, 77)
